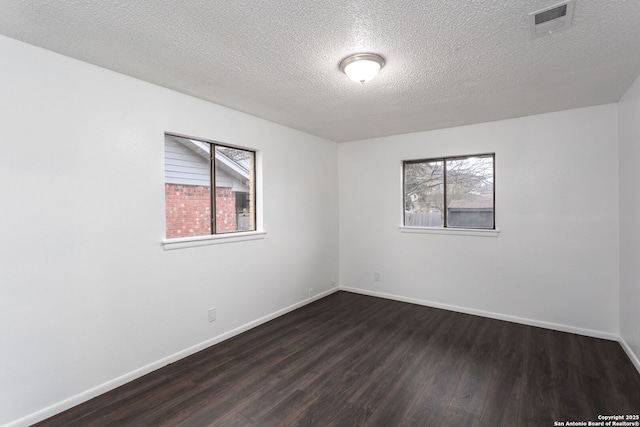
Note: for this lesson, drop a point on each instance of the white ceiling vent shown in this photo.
(551, 19)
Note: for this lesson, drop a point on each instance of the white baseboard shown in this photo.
(489, 314)
(117, 382)
(126, 378)
(524, 321)
(630, 353)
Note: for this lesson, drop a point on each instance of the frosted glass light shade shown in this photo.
(362, 67)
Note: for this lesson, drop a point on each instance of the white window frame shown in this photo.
(223, 238)
(452, 231)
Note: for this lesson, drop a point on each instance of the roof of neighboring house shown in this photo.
(479, 202)
(187, 162)
(230, 166)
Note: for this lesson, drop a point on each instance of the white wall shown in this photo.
(87, 293)
(555, 262)
(629, 114)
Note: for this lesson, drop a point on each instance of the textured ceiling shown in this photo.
(448, 62)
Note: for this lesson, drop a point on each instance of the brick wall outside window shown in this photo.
(188, 210)
(225, 210)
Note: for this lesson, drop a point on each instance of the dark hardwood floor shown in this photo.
(353, 360)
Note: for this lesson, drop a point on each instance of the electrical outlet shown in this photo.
(376, 276)
(310, 292)
(212, 314)
(333, 281)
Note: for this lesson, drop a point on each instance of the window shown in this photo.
(192, 169)
(450, 192)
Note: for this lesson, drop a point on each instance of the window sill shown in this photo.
(218, 239)
(477, 232)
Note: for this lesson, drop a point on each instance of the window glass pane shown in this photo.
(187, 187)
(469, 183)
(235, 190)
(424, 194)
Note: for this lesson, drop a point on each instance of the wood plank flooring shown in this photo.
(354, 360)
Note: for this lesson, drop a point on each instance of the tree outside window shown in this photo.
(456, 192)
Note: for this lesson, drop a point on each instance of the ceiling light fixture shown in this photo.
(362, 67)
